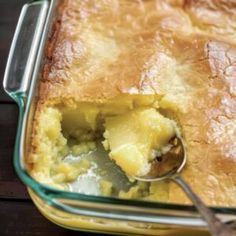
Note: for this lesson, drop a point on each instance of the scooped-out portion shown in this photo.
(96, 148)
(136, 137)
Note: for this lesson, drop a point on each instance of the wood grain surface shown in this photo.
(18, 215)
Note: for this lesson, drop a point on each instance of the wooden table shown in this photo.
(18, 215)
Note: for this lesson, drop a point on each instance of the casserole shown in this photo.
(73, 210)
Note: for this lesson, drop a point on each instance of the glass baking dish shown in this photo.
(73, 210)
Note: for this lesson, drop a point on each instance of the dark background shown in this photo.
(18, 215)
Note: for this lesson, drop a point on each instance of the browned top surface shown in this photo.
(184, 50)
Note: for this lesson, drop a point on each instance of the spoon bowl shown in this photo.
(169, 164)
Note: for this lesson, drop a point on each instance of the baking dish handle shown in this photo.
(24, 48)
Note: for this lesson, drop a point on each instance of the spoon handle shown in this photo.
(216, 227)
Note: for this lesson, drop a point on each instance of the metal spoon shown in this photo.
(169, 166)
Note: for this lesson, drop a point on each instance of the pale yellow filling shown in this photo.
(130, 128)
(134, 138)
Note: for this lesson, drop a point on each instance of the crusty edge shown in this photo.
(40, 103)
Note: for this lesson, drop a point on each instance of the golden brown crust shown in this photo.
(183, 49)
(210, 130)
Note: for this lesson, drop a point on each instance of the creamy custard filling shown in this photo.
(134, 138)
(130, 130)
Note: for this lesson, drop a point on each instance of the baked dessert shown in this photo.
(123, 75)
